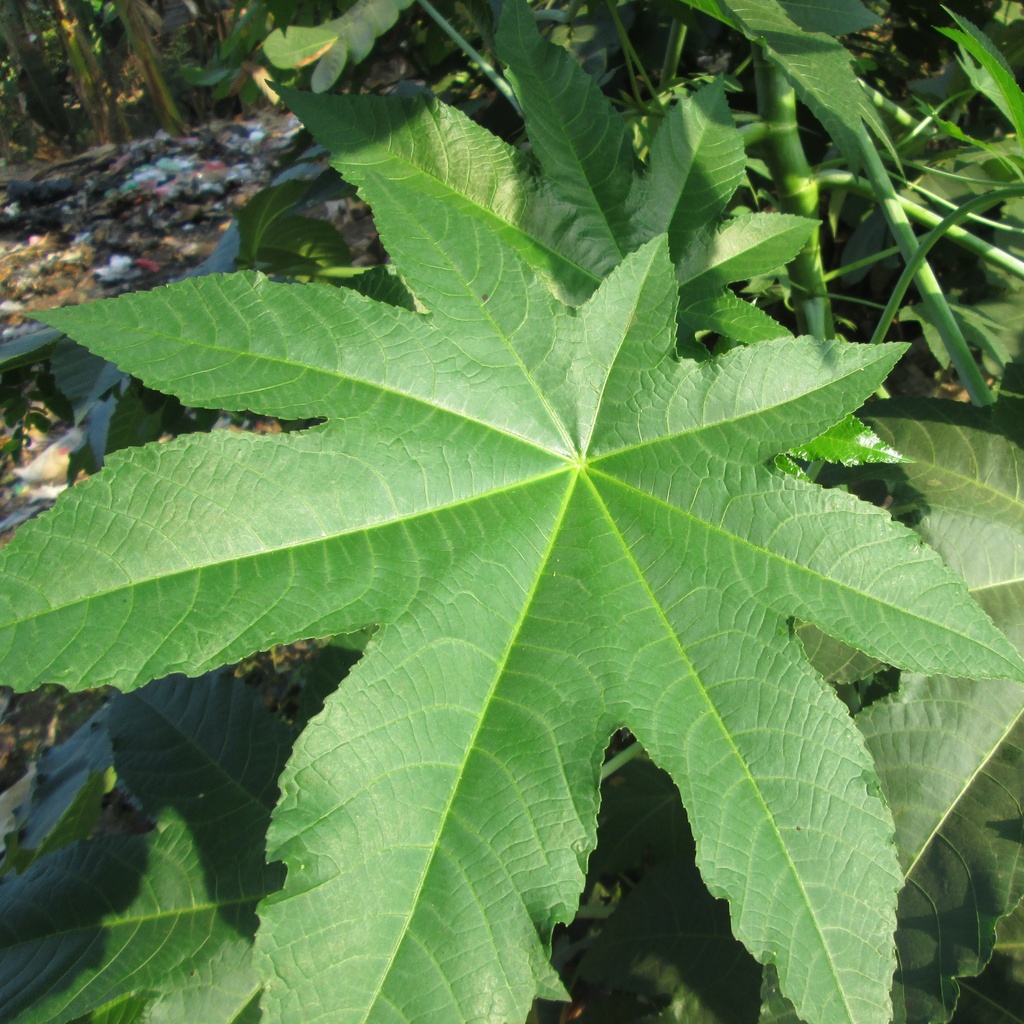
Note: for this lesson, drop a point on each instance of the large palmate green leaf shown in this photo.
(573, 222)
(951, 753)
(835, 17)
(161, 922)
(562, 529)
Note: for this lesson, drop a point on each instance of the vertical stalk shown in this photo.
(673, 51)
(797, 192)
(36, 82)
(93, 90)
(928, 287)
(479, 59)
(156, 85)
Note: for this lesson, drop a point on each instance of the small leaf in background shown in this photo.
(849, 443)
(837, 662)
(357, 30)
(991, 76)
(994, 998)
(82, 377)
(275, 239)
(744, 247)
(641, 819)
(668, 941)
(297, 45)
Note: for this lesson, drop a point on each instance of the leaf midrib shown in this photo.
(713, 711)
(1004, 500)
(725, 421)
(481, 213)
(506, 340)
(213, 767)
(108, 924)
(430, 403)
(772, 555)
(267, 551)
(471, 744)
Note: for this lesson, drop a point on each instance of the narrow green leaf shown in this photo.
(438, 153)
(998, 83)
(730, 316)
(849, 443)
(242, 342)
(746, 246)
(298, 45)
(697, 161)
(587, 157)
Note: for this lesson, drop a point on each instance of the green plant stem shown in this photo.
(572, 10)
(753, 132)
(855, 299)
(887, 106)
(867, 261)
(928, 287)
(797, 192)
(149, 63)
(974, 218)
(613, 764)
(925, 245)
(990, 253)
(673, 51)
(473, 54)
(633, 62)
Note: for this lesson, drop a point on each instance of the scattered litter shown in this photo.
(49, 469)
(112, 220)
(118, 268)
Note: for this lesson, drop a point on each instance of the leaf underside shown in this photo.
(561, 529)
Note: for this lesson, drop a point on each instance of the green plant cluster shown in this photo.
(691, 684)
